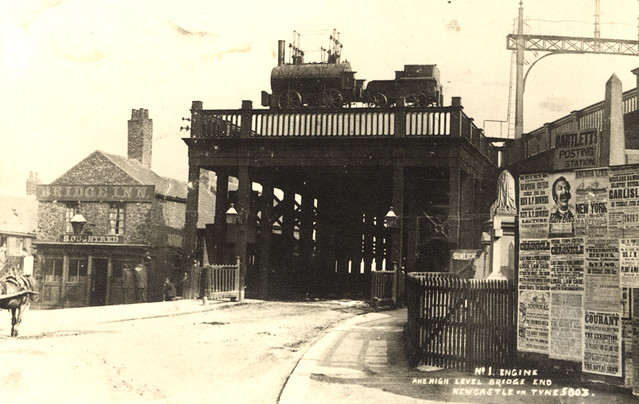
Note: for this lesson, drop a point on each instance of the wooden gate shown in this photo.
(459, 323)
(387, 287)
(215, 282)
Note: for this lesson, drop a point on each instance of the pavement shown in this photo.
(360, 360)
(46, 322)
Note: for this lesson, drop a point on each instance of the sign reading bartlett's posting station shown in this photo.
(85, 193)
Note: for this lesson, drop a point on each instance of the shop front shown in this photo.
(91, 274)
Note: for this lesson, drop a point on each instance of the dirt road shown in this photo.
(241, 353)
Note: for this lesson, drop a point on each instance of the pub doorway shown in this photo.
(99, 281)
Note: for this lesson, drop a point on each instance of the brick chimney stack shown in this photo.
(140, 136)
(32, 183)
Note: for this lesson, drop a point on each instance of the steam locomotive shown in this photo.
(332, 84)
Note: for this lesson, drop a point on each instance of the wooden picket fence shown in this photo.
(460, 324)
(216, 281)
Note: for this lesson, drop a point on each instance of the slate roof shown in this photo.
(18, 214)
(163, 186)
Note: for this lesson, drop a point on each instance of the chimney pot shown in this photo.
(140, 137)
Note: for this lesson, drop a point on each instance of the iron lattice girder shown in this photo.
(566, 44)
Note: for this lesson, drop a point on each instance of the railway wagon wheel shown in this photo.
(290, 99)
(331, 98)
(417, 100)
(378, 99)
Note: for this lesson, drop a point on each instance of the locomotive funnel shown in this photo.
(281, 52)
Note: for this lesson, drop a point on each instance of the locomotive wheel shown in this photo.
(332, 98)
(290, 99)
(378, 100)
(417, 100)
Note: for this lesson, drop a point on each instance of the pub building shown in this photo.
(110, 229)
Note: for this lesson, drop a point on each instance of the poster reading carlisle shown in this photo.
(578, 261)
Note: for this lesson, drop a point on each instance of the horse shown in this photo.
(16, 293)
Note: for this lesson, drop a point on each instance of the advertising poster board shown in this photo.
(591, 203)
(567, 264)
(602, 343)
(629, 262)
(623, 198)
(602, 291)
(533, 206)
(577, 267)
(533, 321)
(534, 264)
(565, 339)
(561, 208)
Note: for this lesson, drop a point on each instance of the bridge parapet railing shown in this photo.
(343, 123)
(591, 117)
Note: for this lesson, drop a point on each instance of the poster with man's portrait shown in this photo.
(562, 205)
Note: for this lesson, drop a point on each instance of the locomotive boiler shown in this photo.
(332, 84)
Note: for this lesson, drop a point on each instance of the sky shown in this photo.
(71, 71)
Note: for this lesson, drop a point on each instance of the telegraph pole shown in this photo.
(520, 43)
(519, 90)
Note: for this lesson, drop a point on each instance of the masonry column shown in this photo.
(266, 235)
(306, 237)
(190, 223)
(613, 138)
(221, 206)
(193, 188)
(244, 209)
(454, 208)
(397, 234)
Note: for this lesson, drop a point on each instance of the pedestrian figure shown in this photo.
(140, 283)
(183, 285)
(169, 291)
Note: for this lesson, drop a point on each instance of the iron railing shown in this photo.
(343, 123)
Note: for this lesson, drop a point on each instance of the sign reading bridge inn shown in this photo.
(96, 193)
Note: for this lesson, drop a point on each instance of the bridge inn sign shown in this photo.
(104, 193)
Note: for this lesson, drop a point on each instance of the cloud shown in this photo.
(187, 33)
(554, 104)
(219, 54)
(93, 56)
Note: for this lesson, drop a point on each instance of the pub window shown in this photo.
(116, 218)
(77, 269)
(71, 210)
(52, 269)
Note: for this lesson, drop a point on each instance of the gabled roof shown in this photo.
(163, 186)
(18, 214)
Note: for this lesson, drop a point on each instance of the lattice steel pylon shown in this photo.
(520, 43)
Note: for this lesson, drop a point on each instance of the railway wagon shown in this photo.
(416, 85)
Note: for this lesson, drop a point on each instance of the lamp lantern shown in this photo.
(391, 220)
(78, 222)
(232, 217)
